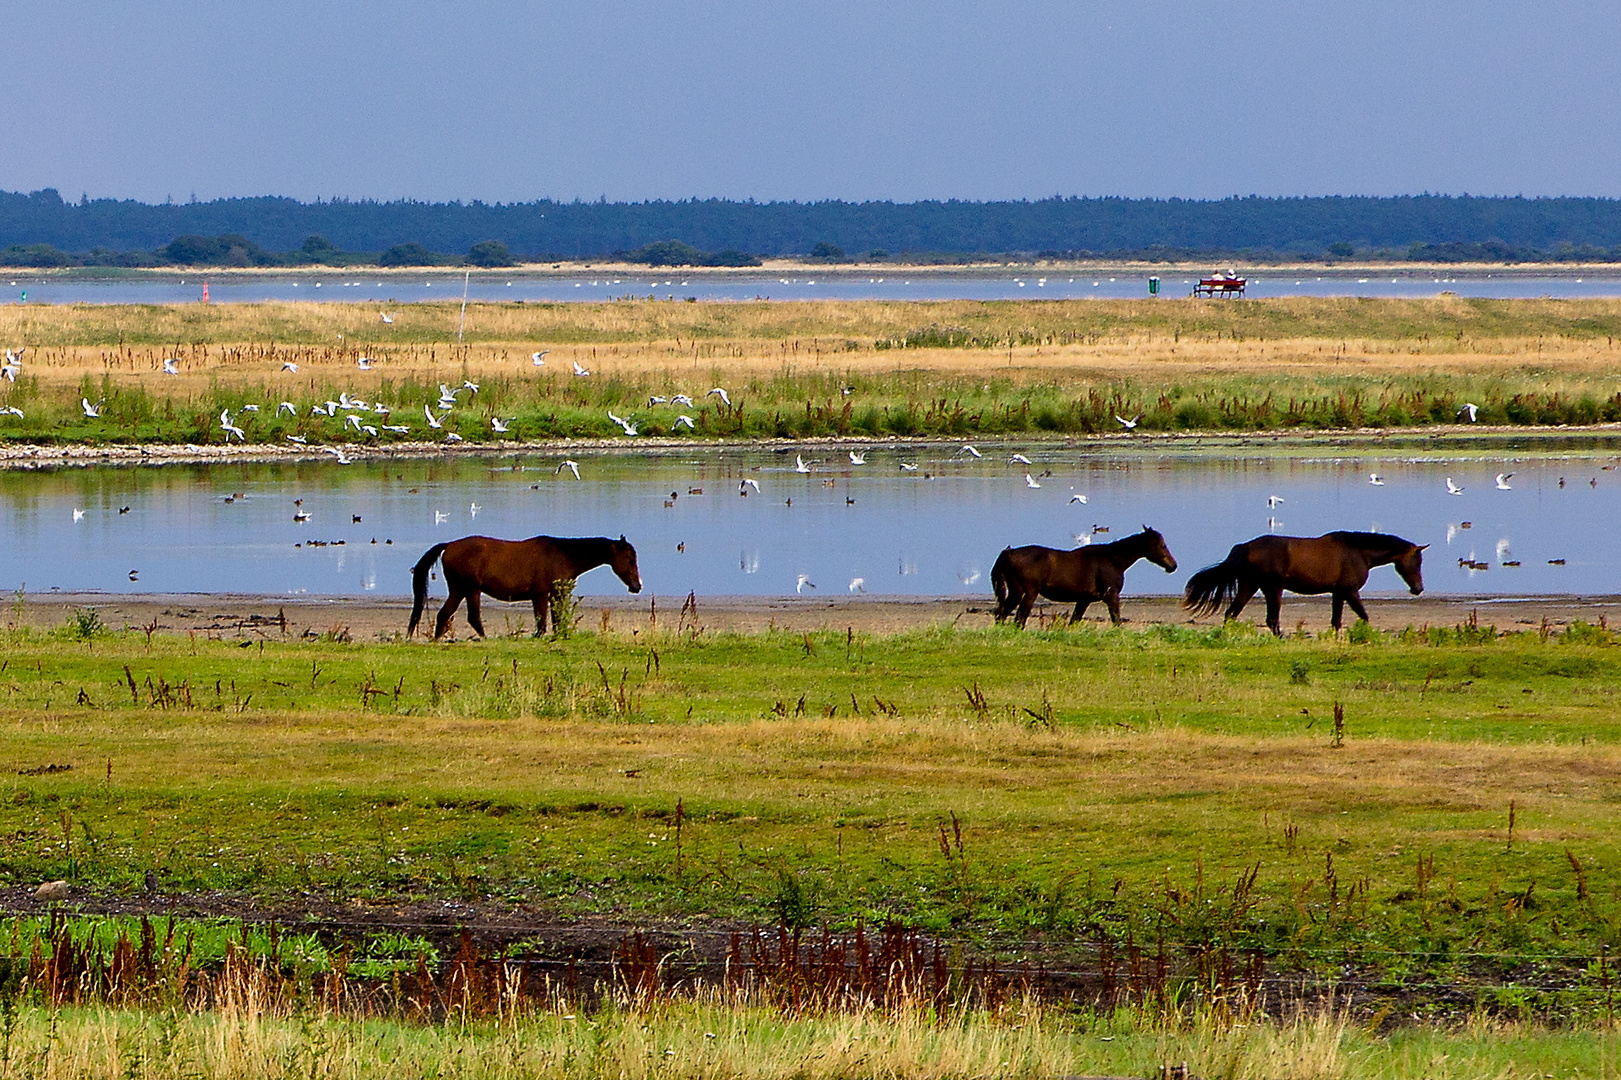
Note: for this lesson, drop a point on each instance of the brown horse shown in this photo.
(1337, 563)
(1081, 576)
(515, 570)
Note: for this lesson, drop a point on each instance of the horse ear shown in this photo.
(1421, 547)
(622, 539)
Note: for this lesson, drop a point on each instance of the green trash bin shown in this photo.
(1153, 286)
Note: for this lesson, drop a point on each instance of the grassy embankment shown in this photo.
(1450, 850)
(945, 369)
(730, 1041)
(1064, 787)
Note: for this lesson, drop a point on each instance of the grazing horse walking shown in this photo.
(515, 570)
(1337, 563)
(1081, 576)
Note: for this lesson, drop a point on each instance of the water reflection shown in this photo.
(324, 529)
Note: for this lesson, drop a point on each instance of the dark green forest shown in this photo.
(42, 229)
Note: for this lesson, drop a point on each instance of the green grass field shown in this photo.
(1058, 788)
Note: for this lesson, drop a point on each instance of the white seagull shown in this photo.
(91, 411)
(1502, 482)
(1077, 498)
(299, 439)
(907, 466)
(804, 580)
(578, 370)
(440, 517)
(1376, 480)
(287, 407)
(799, 464)
(1030, 481)
(858, 459)
(78, 515)
(749, 481)
(726, 399)
(364, 362)
(288, 365)
(12, 410)
(1128, 424)
(433, 423)
(539, 358)
(387, 318)
(681, 399)
(500, 425)
(629, 426)
(337, 452)
(1274, 501)
(1020, 458)
(473, 508)
(858, 584)
(451, 436)
(970, 450)
(230, 428)
(656, 399)
(169, 367)
(469, 384)
(1453, 489)
(1471, 409)
(353, 421)
(400, 429)
(683, 421)
(571, 466)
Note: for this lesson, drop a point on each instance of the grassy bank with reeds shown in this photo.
(1434, 812)
(728, 1040)
(942, 369)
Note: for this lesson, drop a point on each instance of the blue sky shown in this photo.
(509, 101)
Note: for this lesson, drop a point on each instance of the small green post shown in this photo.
(1153, 286)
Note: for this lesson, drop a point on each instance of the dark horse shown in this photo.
(1081, 576)
(515, 570)
(1337, 563)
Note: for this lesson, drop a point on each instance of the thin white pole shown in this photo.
(461, 322)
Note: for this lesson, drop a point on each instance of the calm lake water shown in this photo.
(933, 531)
(834, 285)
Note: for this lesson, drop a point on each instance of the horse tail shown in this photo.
(999, 574)
(419, 584)
(1214, 587)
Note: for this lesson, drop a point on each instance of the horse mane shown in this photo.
(1383, 543)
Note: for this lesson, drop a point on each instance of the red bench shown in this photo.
(1219, 286)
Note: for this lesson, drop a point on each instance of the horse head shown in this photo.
(1409, 564)
(1157, 552)
(622, 560)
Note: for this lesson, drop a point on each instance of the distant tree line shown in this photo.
(41, 229)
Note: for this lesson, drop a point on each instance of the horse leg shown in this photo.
(1026, 602)
(1112, 600)
(1245, 593)
(1354, 598)
(1080, 611)
(1274, 610)
(543, 605)
(473, 618)
(1339, 610)
(446, 613)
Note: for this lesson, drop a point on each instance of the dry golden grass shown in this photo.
(1095, 341)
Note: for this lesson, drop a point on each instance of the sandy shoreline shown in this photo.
(373, 618)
